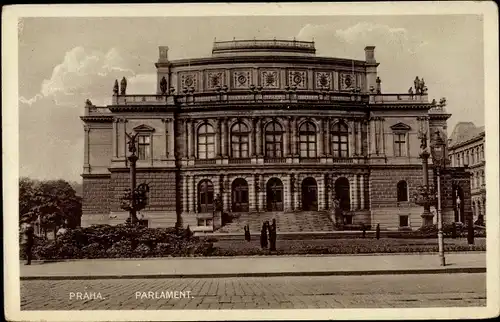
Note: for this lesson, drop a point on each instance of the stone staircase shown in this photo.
(303, 221)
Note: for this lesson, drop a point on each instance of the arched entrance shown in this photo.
(342, 193)
(458, 204)
(205, 196)
(239, 195)
(309, 194)
(274, 195)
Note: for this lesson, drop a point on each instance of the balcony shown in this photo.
(343, 160)
(398, 98)
(204, 161)
(309, 160)
(275, 160)
(240, 161)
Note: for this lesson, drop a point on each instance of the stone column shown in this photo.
(320, 139)
(251, 146)
(192, 136)
(226, 133)
(218, 139)
(190, 193)
(294, 136)
(382, 135)
(166, 136)
(355, 192)
(251, 194)
(185, 198)
(287, 194)
(327, 138)
(86, 152)
(115, 138)
(223, 137)
(321, 193)
(351, 138)
(291, 180)
(285, 138)
(362, 192)
(359, 143)
(226, 195)
(262, 193)
(352, 188)
(296, 192)
(256, 192)
(171, 139)
(186, 139)
(125, 147)
(194, 195)
(258, 136)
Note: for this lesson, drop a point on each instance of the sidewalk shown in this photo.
(199, 267)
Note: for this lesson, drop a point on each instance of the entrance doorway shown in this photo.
(309, 194)
(205, 196)
(240, 195)
(274, 195)
(342, 193)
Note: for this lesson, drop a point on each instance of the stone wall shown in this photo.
(162, 185)
(96, 195)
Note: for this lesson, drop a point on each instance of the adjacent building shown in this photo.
(466, 149)
(270, 127)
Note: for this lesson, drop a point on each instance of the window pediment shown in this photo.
(144, 128)
(401, 127)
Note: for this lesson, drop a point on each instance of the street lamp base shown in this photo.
(442, 260)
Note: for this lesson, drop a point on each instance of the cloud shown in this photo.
(83, 72)
(331, 40)
(50, 129)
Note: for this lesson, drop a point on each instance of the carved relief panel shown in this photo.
(269, 79)
(347, 81)
(215, 78)
(189, 80)
(323, 80)
(242, 79)
(297, 78)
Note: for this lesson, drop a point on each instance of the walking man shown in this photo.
(27, 241)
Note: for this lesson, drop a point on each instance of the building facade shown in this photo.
(270, 127)
(466, 149)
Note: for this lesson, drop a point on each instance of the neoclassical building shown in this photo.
(466, 149)
(270, 127)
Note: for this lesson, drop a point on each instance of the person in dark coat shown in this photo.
(272, 236)
(247, 233)
(363, 228)
(263, 236)
(27, 241)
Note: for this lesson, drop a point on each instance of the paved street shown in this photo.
(381, 291)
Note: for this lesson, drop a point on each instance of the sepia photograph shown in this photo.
(250, 161)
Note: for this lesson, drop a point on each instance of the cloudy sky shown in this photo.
(64, 61)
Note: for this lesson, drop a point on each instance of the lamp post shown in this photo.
(438, 151)
(424, 195)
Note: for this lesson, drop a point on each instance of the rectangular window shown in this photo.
(404, 221)
(399, 145)
(143, 147)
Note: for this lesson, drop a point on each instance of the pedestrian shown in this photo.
(453, 230)
(377, 232)
(363, 228)
(263, 236)
(247, 233)
(272, 236)
(27, 241)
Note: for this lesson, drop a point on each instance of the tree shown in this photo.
(54, 201)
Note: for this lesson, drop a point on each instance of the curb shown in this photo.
(271, 274)
(470, 252)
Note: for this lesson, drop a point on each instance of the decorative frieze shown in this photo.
(297, 78)
(242, 79)
(270, 79)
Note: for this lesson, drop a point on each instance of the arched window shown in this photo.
(307, 136)
(339, 135)
(239, 141)
(206, 142)
(274, 140)
(402, 191)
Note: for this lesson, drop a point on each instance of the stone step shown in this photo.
(303, 221)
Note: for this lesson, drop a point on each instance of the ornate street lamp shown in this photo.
(424, 196)
(438, 156)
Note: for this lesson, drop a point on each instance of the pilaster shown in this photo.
(86, 152)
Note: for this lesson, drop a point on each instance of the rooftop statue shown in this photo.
(123, 84)
(163, 85)
(115, 88)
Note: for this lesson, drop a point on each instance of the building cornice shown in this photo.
(97, 118)
(474, 139)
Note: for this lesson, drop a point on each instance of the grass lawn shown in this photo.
(346, 246)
